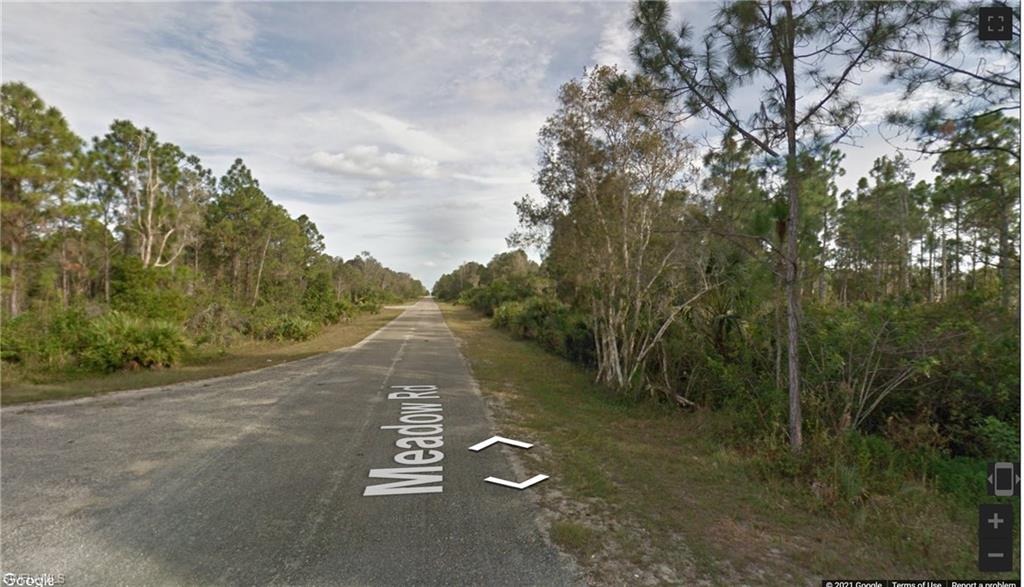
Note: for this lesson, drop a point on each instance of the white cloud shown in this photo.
(613, 48)
(410, 137)
(881, 103)
(492, 180)
(381, 189)
(370, 161)
(227, 31)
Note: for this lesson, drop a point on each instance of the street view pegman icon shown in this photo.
(1003, 479)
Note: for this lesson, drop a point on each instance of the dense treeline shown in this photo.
(126, 251)
(879, 323)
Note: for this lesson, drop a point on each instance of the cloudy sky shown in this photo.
(404, 129)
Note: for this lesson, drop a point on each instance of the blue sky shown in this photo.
(404, 129)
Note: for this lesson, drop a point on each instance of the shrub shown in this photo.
(216, 324)
(295, 328)
(963, 360)
(281, 327)
(156, 293)
(757, 415)
(121, 341)
(507, 314)
(369, 306)
(487, 298)
(37, 340)
(22, 339)
(998, 440)
(961, 477)
(319, 302)
(344, 309)
(553, 324)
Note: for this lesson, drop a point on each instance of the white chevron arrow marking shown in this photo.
(531, 481)
(496, 439)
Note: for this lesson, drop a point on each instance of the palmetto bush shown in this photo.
(265, 326)
(119, 341)
(294, 328)
(369, 306)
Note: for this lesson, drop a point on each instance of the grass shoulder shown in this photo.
(197, 364)
(644, 494)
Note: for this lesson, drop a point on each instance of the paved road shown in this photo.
(260, 478)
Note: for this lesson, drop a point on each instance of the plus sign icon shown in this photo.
(995, 23)
(995, 537)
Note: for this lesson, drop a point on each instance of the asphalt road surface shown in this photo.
(259, 478)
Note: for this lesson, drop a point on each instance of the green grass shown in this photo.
(20, 388)
(645, 493)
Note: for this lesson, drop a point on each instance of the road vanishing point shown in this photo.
(347, 468)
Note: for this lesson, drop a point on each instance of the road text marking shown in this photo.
(421, 433)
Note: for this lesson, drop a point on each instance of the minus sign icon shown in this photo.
(994, 555)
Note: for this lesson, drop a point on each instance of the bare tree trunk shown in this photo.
(904, 274)
(792, 251)
(879, 292)
(974, 261)
(822, 285)
(931, 271)
(84, 284)
(106, 268)
(945, 273)
(846, 285)
(1004, 253)
(780, 347)
(63, 275)
(259, 274)
(956, 252)
(153, 186)
(15, 309)
(235, 270)
(195, 270)
(822, 294)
